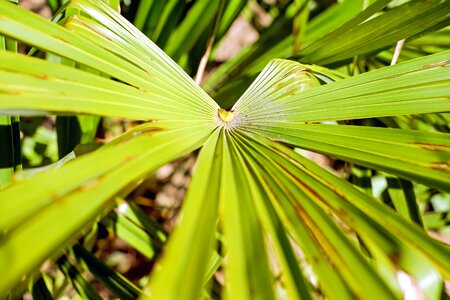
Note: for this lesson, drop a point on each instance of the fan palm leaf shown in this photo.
(268, 200)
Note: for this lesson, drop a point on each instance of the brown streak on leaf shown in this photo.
(146, 131)
(392, 77)
(338, 192)
(432, 147)
(440, 166)
(444, 63)
(76, 18)
(60, 39)
(305, 187)
(40, 76)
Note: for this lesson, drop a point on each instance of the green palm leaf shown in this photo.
(27, 217)
(417, 86)
(283, 98)
(419, 156)
(99, 43)
(264, 197)
(200, 211)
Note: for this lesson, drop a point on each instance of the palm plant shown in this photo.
(273, 219)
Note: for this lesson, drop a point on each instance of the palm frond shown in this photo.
(285, 224)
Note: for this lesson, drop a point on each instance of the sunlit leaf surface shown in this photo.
(284, 222)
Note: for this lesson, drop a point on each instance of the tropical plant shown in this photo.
(280, 225)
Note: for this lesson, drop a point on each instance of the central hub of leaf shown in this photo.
(226, 116)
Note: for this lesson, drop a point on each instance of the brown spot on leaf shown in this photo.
(54, 196)
(280, 85)
(128, 158)
(342, 212)
(90, 184)
(394, 257)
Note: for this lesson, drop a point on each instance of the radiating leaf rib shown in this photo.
(63, 89)
(74, 176)
(199, 212)
(377, 220)
(292, 277)
(340, 253)
(51, 37)
(280, 78)
(416, 86)
(416, 155)
(162, 80)
(87, 191)
(363, 38)
(279, 110)
(137, 40)
(403, 252)
(401, 249)
(330, 282)
(147, 85)
(112, 60)
(246, 270)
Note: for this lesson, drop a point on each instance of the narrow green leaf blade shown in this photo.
(86, 185)
(416, 155)
(168, 280)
